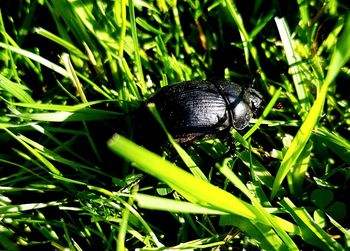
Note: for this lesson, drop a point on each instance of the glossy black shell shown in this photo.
(199, 108)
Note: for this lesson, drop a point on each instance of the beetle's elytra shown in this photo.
(197, 109)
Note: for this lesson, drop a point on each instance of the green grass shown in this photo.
(72, 74)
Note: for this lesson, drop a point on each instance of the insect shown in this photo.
(197, 109)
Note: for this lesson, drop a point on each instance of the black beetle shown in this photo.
(198, 109)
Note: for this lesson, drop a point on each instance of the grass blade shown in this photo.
(182, 153)
(294, 62)
(157, 203)
(79, 115)
(137, 48)
(192, 188)
(226, 171)
(310, 231)
(22, 139)
(339, 58)
(16, 90)
(336, 143)
(36, 58)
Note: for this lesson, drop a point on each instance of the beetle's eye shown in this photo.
(256, 106)
(253, 105)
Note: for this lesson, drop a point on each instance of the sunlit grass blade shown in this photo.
(180, 32)
(182, 153)
(262, 23)
(27, 207)
(22, 139)
(297, 174)
(62, 42)
(60, 70)
(15, 89)
(59, 108)
(11, 43)
(174, 69)
(298, 143)
(75, 16)
(199, 192)
(310, 231)
(247, 43)
(73, 76)
(260, 172)
(345, 231)
(267, 238)
(336, 143)
(158, 203)
(225, 170)
(294, 63)
(137, 48)
(124, 225)
(192, 188)
(264, 114)
(304, 13)
(79, 115)
(340, 56)
(133, 211)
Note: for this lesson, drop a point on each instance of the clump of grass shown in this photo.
(71, 80)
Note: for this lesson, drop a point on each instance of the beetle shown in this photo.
(197, 109)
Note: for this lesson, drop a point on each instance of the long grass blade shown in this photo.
(192, 188)
(340, 56)
(16, 90)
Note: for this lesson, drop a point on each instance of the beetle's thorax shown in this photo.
(241, 103)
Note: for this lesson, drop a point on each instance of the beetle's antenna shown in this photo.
(253, 82)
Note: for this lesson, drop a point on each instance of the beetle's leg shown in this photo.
(226, 137)
(231, 146)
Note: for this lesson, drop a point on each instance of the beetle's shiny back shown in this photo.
(198, 108)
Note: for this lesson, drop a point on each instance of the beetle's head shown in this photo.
(255, 100)
(245, 107)
(243, 103)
